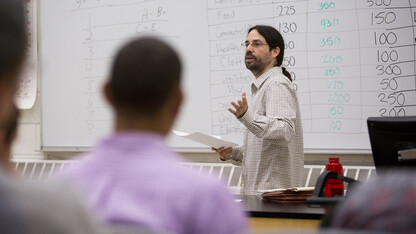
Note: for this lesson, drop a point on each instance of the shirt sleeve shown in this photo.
(278, 123)
(236, 157)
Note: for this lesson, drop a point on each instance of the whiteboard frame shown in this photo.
(176, 149)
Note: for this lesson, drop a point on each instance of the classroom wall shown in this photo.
(28, 145)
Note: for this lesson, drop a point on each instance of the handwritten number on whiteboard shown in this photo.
(90, 129)
(89, 34)
(330, 41)
(378, 3)
(287, 27)
(79, 3)
(326, 5)
(329, 23)
(332, 71)
(392, 112)
(383, 17)
(285, 10)
(289, 61)
(383, 38)
(331, 59)
(289, 45)
(389, 70)
(386, 56)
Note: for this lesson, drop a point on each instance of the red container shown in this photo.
(334, 187)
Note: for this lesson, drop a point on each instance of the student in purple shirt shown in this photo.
(133, 177)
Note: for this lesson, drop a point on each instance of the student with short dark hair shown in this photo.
(12, 52)
(133, 177)
(383, 204)
(29, 208)
(9, 131)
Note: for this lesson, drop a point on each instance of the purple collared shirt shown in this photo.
(134, 178)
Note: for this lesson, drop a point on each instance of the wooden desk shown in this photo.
(268, 215)
(263, 224)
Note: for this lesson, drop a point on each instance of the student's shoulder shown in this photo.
(79, 166)
(194, 180)
(52, 206)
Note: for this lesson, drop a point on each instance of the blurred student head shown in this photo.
(12, 51)
(144, 87)
(384, 204)
(9, 131)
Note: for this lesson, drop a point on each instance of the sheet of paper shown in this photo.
(205, 139)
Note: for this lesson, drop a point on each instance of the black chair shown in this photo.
(318, 197)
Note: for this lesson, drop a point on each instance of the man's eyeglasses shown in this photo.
(254, 44)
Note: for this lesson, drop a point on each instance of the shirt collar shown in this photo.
(261, 79)
(133, 140)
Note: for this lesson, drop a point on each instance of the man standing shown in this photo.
(272, 152)
(133, 177)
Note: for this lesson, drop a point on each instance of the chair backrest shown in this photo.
(360, 173)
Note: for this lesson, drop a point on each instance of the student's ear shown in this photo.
(107, 93)
(177, 101)
(7, 92)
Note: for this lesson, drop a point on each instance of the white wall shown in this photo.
(28, 143)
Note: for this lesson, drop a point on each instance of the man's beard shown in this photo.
(256, 65)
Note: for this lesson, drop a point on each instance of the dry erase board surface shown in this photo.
(349, 60)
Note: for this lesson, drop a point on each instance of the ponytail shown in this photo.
(286, 73)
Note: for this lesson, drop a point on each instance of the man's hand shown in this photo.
(223, 153)
(240, 108)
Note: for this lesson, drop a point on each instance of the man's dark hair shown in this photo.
(274, 39)
(13, 37)
(145, 73)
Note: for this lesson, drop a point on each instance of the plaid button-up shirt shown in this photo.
(272, 153)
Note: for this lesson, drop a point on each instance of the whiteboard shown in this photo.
(349, 59)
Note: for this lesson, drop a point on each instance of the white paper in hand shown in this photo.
(205, 139)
